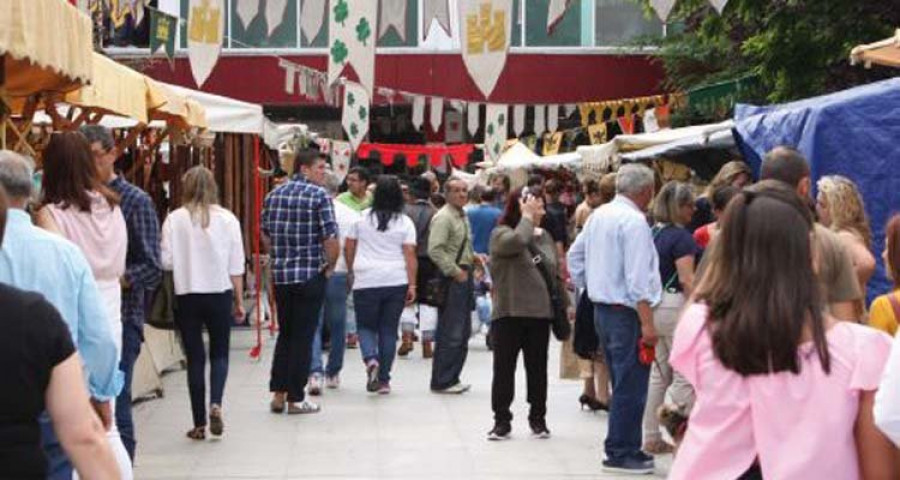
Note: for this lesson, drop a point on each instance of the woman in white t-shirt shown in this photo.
(203, 247)
(381, 261)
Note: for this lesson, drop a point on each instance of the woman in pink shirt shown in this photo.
(78, 206)
(784, 391)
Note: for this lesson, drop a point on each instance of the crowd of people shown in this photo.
(730, 329)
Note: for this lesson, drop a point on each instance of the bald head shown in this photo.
(16, 174)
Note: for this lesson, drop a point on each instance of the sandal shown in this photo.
(277, 405)
(197, 433)
(303, 408)
(216, 425)
(658, 447)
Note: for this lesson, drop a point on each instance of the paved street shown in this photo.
(410, 434)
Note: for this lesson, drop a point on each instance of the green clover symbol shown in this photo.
(339, 52)
(502, 119)
(351, 99)
(354, 130)
(363, 30)
(490, 129)
(363, 113)
(496, 149)
(341, 12)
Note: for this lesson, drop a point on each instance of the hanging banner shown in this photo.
(437, 154)
(435, 10)
(162, 33)
(719, 5)
(650, 123)
(552, 142)
(569, 109)
(341, 153)
(206, 29)
(552, 117)
(312, 17)
(555, 12)
(663, 8)
(663, 119)
(473, 111)
(597, 133)
(540, 124)
(352, 28)
(246, 11)
(486, 27)
(626, 123)
(393, 15)
(355, 118)
(418, 112)
(437, 113)
(290, 77)
(518, 119)
(496, 127)
(453, 126)
(275, 14)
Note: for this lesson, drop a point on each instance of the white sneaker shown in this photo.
(333, 382)
(455, 389)
(314, 385)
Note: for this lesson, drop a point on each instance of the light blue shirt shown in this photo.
(615, 258)
(39, 261)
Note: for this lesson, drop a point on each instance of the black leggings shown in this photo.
(192, 312)
(531, 336)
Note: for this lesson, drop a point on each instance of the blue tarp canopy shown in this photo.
(854, 133)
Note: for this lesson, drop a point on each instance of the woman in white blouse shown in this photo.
(203, 248)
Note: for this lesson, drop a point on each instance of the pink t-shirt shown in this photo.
(101, 235)
(799, 426)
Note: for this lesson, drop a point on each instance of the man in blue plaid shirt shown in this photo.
(143, 270)
(298, 221)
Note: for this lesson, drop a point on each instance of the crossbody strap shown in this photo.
(895, 304)
(538, 259)
(657, 229)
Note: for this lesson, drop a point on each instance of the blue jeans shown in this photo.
(483, 307)
(132, 337)
(377, 318)
(619, 330)
(335, 313)
(58, 465)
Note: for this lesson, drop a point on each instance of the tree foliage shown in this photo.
(795, 48)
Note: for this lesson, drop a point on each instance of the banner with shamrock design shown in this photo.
(486, 26)
(355, 119)
(495, 130)
(353, 24)
(206, 29)
(341, 152)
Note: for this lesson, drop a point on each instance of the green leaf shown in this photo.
(339, 52)
(363, 113)
(501, 119)
(354, 130)
(496, 149)
(363, 30)
(351, 99)
(341, 12)
(490, 129)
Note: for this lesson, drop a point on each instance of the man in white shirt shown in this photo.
(615, 259)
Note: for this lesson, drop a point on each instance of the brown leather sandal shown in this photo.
(198, 433)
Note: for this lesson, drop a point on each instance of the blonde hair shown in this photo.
(199, 193)
(845, 206)
(670, 199)
(727, 174)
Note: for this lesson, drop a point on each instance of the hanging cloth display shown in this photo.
(418, 112)
(312, 18)
(352, 28)
(552, 117)
(206, 30)
(626, 123)
(540, 125)
(341, 153)
(473, 113)
(393, 16)
(436, 10)
(663, 8)
(355, 118)
(597, 133)
(555, 13)
(436, 153)
(495, 130)
(518, 119)
(486, 28)
(436, 113)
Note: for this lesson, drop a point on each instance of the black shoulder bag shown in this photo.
(438, 286)
(560, 321)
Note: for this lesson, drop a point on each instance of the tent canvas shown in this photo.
(851, 133)
(226, 115)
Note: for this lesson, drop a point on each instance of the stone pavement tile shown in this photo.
(410, 434)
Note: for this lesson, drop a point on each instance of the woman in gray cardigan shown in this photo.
(522, 310)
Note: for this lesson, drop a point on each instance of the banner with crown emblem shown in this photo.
(486, 27)
(206, 29)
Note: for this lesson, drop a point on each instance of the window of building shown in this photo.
(566, 33)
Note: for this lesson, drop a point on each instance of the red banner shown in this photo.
(459, 154)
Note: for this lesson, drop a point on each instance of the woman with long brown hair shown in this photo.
(77, 205)
(203, 247)
(783, 389)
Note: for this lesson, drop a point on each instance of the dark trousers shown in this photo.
(619, 330)
(192, 313)
(532, 337)
(132, 337)
(378, 313)
(298, 309)
(451, 340)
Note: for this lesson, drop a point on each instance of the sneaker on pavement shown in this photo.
(384, 388)
(643, 456)
(352, 341)
(500, 431)
(372, 382)
(628, 466)
(455, 389)
(314, 385)
(539, 428)
(333, 381)
(303, 408)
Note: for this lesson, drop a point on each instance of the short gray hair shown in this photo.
(332, 183)
(16, 174)
(98, 134)
(634, 178)
(670, 199)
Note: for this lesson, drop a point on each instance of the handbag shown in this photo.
(560, 321)
(162, 309)
(585, 341)
(437, 287)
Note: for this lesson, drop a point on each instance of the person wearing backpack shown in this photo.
(420, 211)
